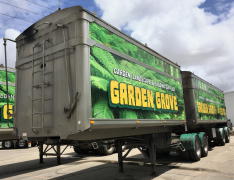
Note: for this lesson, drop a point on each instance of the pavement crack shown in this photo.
(148, 165)
(75, 174)
(194, 169)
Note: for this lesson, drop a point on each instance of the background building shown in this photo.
(229, 102)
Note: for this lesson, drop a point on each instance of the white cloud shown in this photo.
(181, 31)
(11, 27)
(11, 46)
(7, 22)
(12, 33)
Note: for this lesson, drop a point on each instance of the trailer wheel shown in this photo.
(210, 142)
(205, 146)
(22, 144)
(79, 150)
(34, 143)
(227, 135)
(166, 153)
(106, 150)
(146, 151)
(216, 141)
(185, 155)
(195, 154)
(8, 144)
(222, 141)
(158, 155)
(123, 148)
(162, 154)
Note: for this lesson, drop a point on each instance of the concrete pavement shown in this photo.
(24, 164)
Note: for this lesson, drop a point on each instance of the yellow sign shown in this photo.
(209, 109)
(129, 96)
(5, 111)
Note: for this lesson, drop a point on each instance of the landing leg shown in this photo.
(15, 142)
(58, 155)
(41, 152)
(120, 156)
(152, 152)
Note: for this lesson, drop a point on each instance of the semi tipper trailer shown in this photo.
(6, 126)
(80, 80)
(7, 139)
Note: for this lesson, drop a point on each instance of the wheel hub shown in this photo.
(7, 144)
(21, 143)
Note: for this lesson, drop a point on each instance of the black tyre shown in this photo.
(210, 142)
(216, 141)
(79, 150)
(227, 136)
(166, 153)
(162, 154)
(185, 155)
(205, 146)
(146, 151)
(34, 143)
(123, 148)
(8, 144)
(159, 155)
(222, 141)
(195, 154)
(106, 150)
(22, 144)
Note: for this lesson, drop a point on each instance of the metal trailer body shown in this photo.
(8, 139)
(6, 133)
(205, 105)
(80, 80)
(53, 82)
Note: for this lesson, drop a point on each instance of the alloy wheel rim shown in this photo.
(21, 143)
(109, 147)
(198, 148)
(223, 137)
(205, 144)
(7, 144)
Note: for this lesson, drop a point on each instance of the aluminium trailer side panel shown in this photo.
(115, 60)
(3, 96)
(203, 108)
(83, 70)
(6, 133)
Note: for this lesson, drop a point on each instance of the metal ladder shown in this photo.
(42, 84)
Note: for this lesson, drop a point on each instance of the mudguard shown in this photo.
(200, 135)
(220, 134)
(226, 131)
(188, 140)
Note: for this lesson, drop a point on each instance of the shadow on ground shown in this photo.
(163, 164)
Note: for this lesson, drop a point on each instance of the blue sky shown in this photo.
(197, 34)
(211, 6)
(208, 6)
